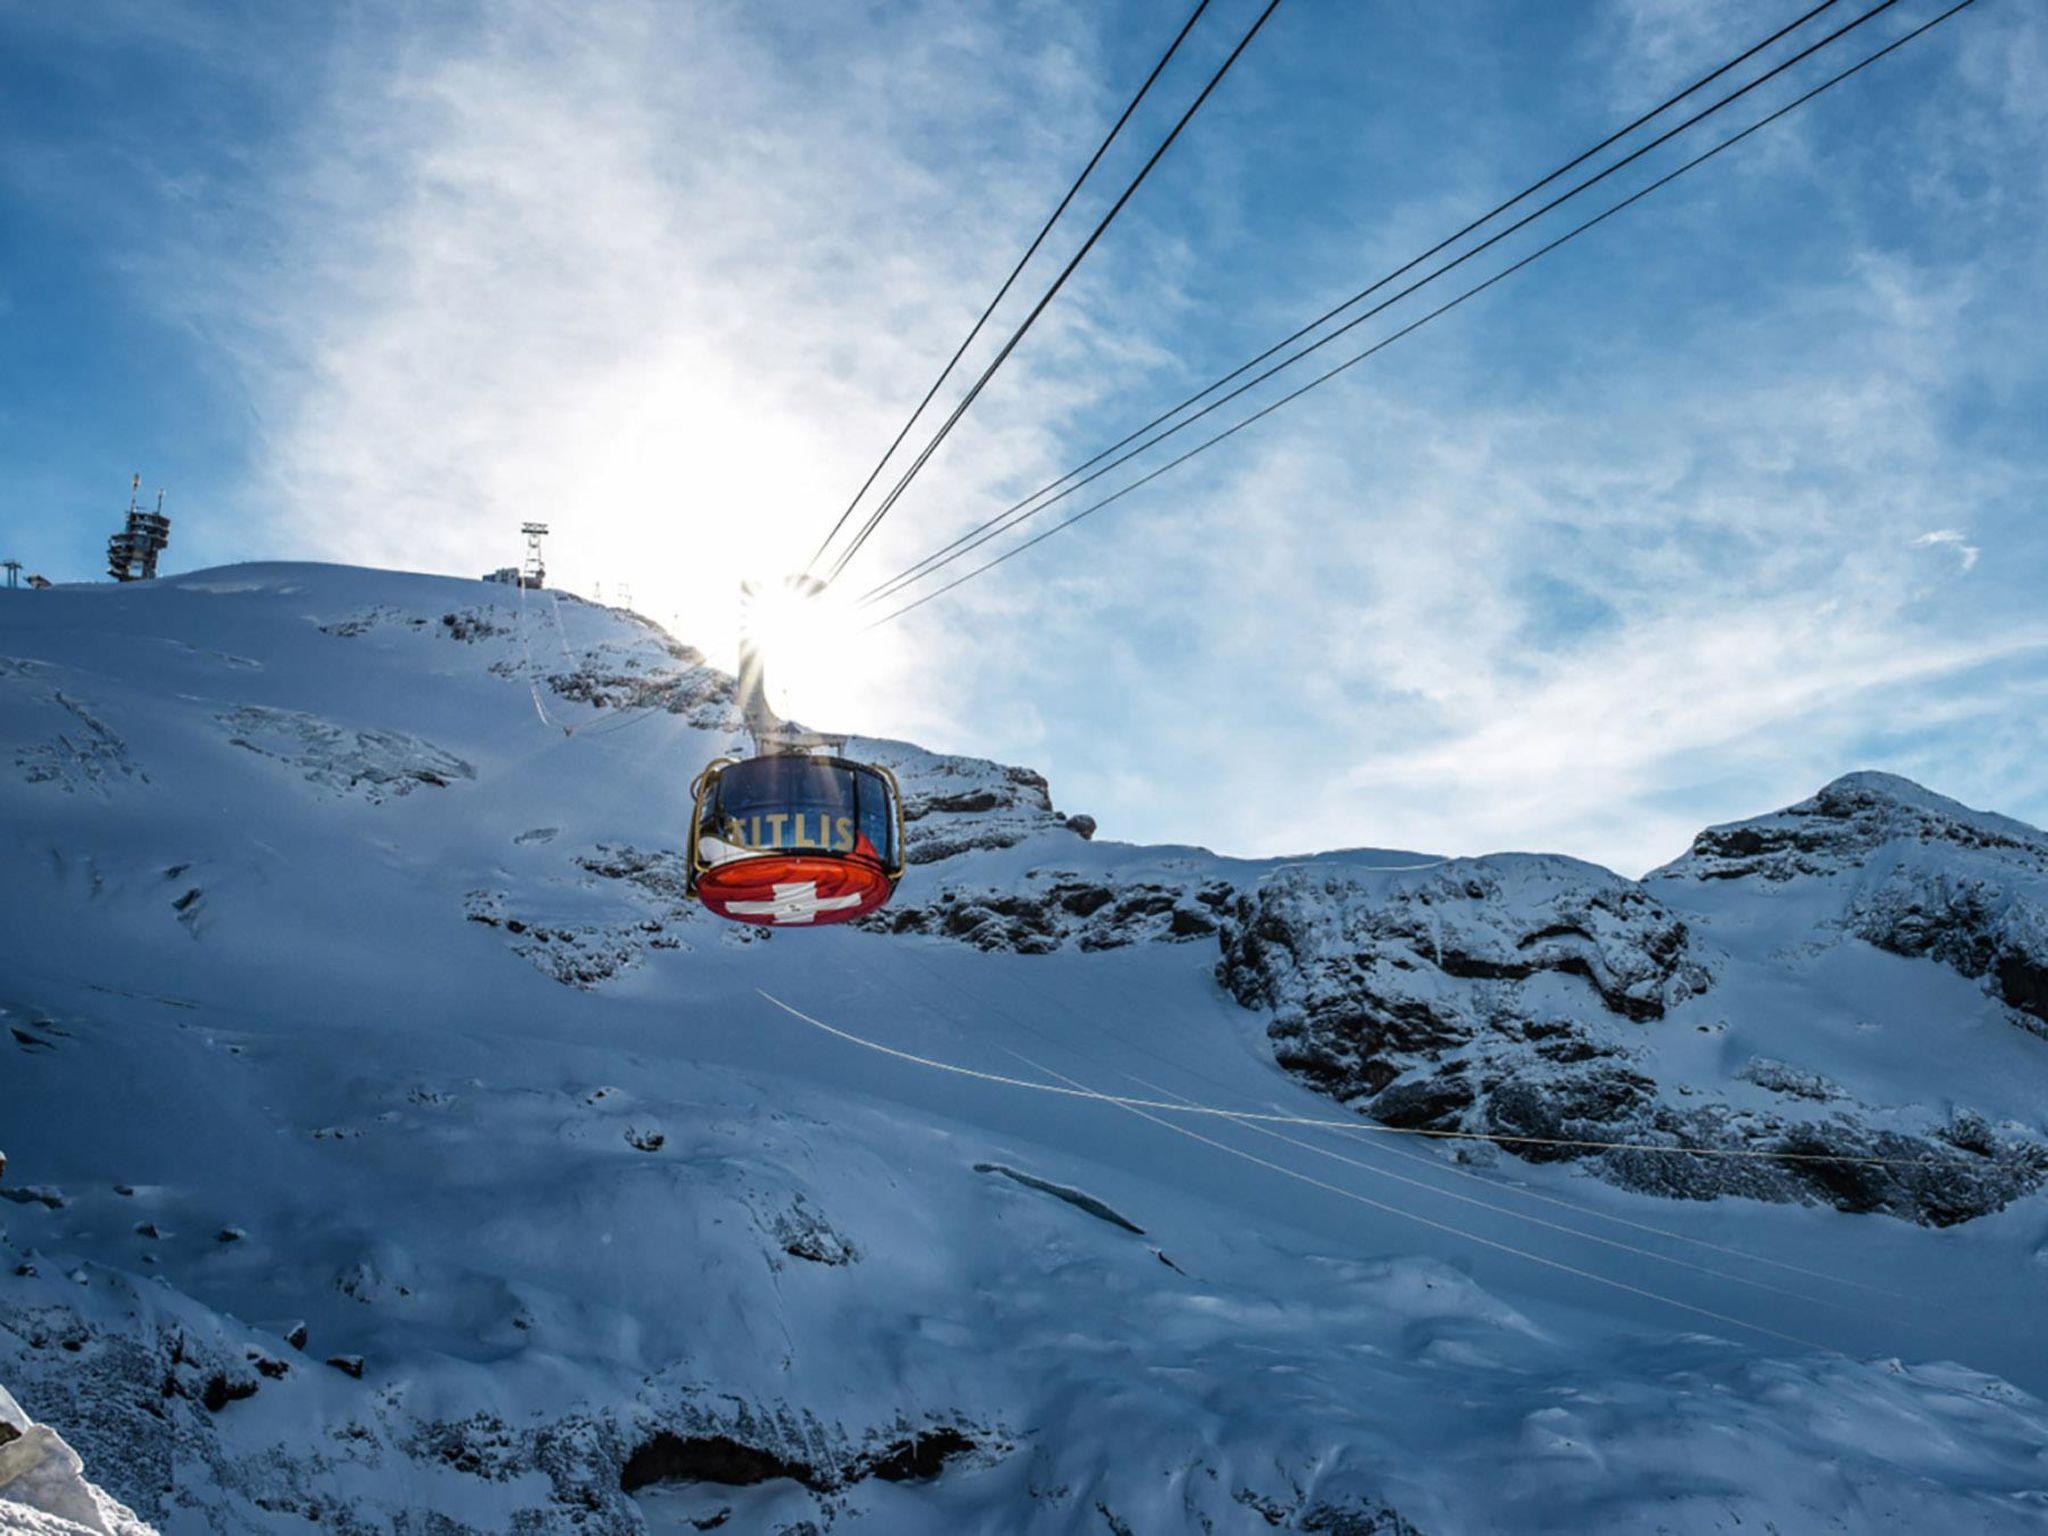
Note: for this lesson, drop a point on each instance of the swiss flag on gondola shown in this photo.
(796, 889)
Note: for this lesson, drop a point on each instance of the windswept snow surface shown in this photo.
(390, 1146)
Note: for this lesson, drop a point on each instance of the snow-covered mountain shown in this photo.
(391, 1146)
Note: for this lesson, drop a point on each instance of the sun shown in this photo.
(809, 647)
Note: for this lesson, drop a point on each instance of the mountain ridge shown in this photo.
(335, 1196)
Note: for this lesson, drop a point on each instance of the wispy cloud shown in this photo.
(1637, 542)
(1954, 539)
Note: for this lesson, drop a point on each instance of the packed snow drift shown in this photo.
(392, 1145)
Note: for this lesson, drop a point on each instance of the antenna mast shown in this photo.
(534, 573)
(131, 553)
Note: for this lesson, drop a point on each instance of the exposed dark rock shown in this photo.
(2023, 983)
(1081, 1200)
(1054, 908)
(1848, 820)
(668, 1457)
(219, 1391)
(48, 1195)
(805, 1234)
(268, 1366)
(1791, 1081)
(1921, 876)
(583, 956)
(1354, 968)
(468, 626)
(1351, 1517)
(1431, 1000)
(673, 1458)
(919, 1458)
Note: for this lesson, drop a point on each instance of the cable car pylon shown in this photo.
(797, 834)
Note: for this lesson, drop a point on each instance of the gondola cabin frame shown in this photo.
(800, 866)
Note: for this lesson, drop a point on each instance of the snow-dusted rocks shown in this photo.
(43, 1487)
(1049, 907)
(374, 763)
(59, 741)
(1524, 997)
(955, 805)
(1846, 825)
(1907, 870)
(1498, 992)
(1363, 967)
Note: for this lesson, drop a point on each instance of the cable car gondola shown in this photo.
(798, 834)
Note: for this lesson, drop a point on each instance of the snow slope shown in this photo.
(392, 1147)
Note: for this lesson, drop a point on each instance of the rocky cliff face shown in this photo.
(1047, 908)
(1363, 970)
(1525, 997)
(1536, 998)
(1917, 874)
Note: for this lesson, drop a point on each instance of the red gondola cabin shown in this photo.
(793, 840)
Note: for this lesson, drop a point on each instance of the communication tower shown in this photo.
(131, 553)
(534, 573)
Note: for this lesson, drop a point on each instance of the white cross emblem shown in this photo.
(794, 903)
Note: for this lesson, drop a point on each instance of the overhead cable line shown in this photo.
(1002, 292)
(885, 588)
(882, 510)
(1417, 324)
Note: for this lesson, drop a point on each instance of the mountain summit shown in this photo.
(391, 1144)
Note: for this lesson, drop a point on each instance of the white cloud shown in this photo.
(1623, 547)
(664, 276)
(1951, 538)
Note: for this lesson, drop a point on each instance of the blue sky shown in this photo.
(1739, 492)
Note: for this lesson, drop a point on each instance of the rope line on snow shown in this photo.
(532, 687)
(1498, 1210)
(1379, 346)
(1640, 1226)
(561, 634)
(1429, 1221)
(1255, 1116)
(1503, 1186)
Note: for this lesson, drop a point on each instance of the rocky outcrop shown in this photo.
(374, 763)
(1983, 927)
(1845, 825)
(43, 1487)
(147, 1393)
(613, 678)
(1051, 908)
(62, 743)
(1510, 998)
(1374, 975)
(577, 955)
(1918, 875)
(956, 805)
(668, 1457)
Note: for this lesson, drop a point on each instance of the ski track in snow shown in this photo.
(263, 1067)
